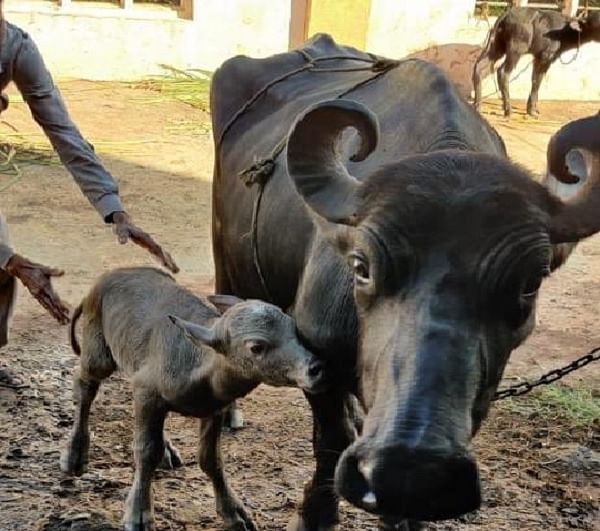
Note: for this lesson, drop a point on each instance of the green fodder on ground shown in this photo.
(575, 406)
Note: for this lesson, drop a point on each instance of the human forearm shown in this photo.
(49, 111)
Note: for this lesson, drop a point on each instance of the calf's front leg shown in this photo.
(211, 462)
(149, 450)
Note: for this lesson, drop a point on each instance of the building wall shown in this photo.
(346, 20)
(399, 27)
(105, 42)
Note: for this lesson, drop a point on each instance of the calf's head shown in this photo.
(447, 250)
(587, 25)
(258, 341)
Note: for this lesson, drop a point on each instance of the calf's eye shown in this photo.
(256, 347)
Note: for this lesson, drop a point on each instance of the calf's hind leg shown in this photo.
(510, 63)
(96, 364)
(211, 462)
(75, 458)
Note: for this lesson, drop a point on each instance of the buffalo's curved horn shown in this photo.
(579, 216)
(314, 162)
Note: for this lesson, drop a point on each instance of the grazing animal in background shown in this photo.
(406, 246)
(181, 355)
(542, 33)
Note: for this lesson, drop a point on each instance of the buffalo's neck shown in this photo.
(324, 308)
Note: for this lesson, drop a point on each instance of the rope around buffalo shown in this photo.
(262, 169)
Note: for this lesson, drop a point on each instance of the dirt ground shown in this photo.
(534, 476)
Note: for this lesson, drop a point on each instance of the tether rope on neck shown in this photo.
(262, 168)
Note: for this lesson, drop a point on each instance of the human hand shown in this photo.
(37, 278)
(126, 230)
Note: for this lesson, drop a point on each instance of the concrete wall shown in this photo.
(105, 42)
(397, 28)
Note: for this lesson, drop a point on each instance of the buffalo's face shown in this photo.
(448, 251)
(445, 283)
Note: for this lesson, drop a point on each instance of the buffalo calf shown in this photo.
(181, 354)
(542, 33)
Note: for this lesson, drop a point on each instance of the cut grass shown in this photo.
(19, 152)
(580, 406)
(191, 87)
(187, 86)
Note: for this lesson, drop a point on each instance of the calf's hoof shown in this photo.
(72, 464)
(238, 520)
(171, 460)
(139, 526)
(143, 523)
(297, 523)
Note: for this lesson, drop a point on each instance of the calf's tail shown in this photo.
(76, 315)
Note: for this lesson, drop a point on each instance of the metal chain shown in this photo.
(548, 378)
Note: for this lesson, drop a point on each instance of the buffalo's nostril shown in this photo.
(315, 369)
(369, 500)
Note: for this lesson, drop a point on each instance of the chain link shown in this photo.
(548, 378)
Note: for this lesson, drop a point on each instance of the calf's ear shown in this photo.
(199, 335)
(223, 302)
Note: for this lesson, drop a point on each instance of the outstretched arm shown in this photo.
(48, 109)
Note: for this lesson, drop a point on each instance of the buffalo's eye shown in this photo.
(360, 266)
(257, 347)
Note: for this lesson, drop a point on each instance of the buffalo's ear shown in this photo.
(223, 302)
(313, 157)
(579, 214)
(198, 334)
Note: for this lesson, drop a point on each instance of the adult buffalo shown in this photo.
(406, 245)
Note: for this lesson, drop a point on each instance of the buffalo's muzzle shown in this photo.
(411, 484)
